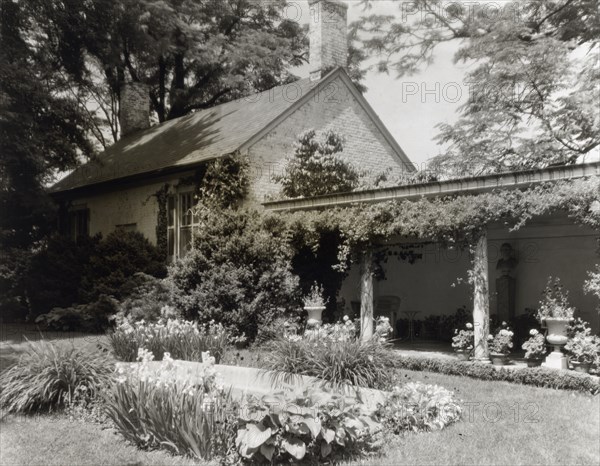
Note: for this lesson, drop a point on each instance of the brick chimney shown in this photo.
(134, 111)
(328, 36)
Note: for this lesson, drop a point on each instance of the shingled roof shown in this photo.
(185, 142)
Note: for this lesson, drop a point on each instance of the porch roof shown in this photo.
(469, 185)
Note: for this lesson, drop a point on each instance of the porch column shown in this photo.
(481, 299)
(366, 295)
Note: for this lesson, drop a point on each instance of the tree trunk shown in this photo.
(366, 295)
(481, 299)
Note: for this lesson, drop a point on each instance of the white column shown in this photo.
(366, 295)
(481, 299)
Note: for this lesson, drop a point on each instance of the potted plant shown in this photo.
(314, 305)
(583, 349)
(535, 348)
(500, 345)
(463, 342)
(555, 313)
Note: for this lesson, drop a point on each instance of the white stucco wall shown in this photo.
(557, 248)
(123, 206)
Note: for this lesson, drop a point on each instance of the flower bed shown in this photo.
(180, 338)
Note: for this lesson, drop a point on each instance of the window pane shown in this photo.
(185, 241)
(171, 210)
(171, 242)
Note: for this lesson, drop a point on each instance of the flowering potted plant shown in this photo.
(463, 342)
(583, 349)
(500, 345)
(555, 313)
(314, 305)
(535, 348)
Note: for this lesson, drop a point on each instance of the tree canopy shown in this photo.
(534, 90)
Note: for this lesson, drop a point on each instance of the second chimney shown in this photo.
(328, 37)
(134, 111)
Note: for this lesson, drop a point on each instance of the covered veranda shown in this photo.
(499, 274)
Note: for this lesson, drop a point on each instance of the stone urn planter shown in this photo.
(583, 367)
(557, 337)
(463, 355)
(499, 359)
(315, 314)
(537, 362)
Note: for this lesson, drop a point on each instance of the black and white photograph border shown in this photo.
(299, 232)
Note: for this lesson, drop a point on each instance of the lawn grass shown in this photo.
(503, 423)
(56, 440)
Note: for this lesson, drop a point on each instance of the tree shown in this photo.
(534, 95)
(41, 131)
(315, 167)
(192, 54)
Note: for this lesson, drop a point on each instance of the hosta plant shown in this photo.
(311, 427)
(419, 407)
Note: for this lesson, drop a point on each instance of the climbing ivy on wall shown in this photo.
(162, 197)
(452, 220)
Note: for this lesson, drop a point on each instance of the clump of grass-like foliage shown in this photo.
(47, 375)
(337, 363)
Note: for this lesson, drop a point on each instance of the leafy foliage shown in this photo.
(584, 347)
(453, 220)
(41, 130)
(92, 317)
(65, 272)
(308, 427)
(535, 347)
(317, 167)
(555, 301)
(154, 407)
(237, 274)
(193, 55)
(47, 375)
(145, 297)
(418, 407)
(225, 181)
(532, 102)
(336, 363)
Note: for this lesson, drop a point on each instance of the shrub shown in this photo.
(65, 272)
(146, 296)
(311, 427)
(538, 377)
(117, 258)
(316, 168)
(337, 363)
(55, 273)
(47, 375)
(158, 409)
(92, 317)
(181, 339)
(418, 407)
(277, 328)
(238, 274)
